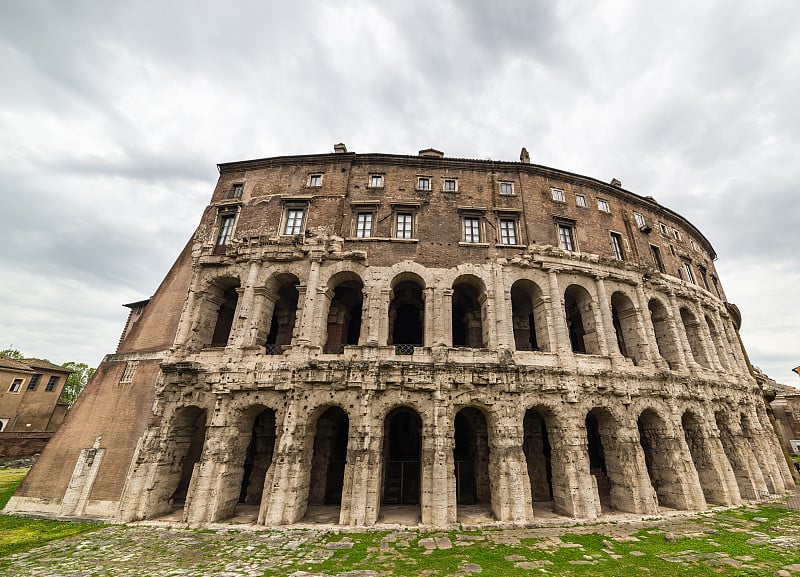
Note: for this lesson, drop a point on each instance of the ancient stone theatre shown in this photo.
(368, 333)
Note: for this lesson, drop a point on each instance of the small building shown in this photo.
(29, 407)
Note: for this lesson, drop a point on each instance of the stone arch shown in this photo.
(182, 448)
(665, 337)
(711, 481)
(407, 310)
(750, 432)
(281, 316)
(344, 311)
(662, 456)
(694, 335)
(402, 457)
(219, 311)
(625, 318)
(584, 336)
(719, 343)
(471, 456)
(605, 450)
(328, 436)
(469, 312)
(529, 317)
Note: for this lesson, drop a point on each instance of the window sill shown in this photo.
(475, 244)
(501, 245)
(380, 239)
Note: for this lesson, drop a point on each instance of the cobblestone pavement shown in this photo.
(158, 550)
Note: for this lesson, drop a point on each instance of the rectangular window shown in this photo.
(294, 221)
(376, 181)
(580, 200)
(423, 183)
(507, 188)
(687, 267)
(364, 225)
(566, 237)
(558, 194)
(616, 244)
(15, 386)
(236, 191)
(315, 180)
(640, 221)
(602, 205)
(508, 231)
(34, 382)
(676, 233)
(404, 228)
(663, 228)
(130, 370)
(692, 244)
(657, 257)
(449, 185)
(472, 229)
(51, 384)
(225, 229)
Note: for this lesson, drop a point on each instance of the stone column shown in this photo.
(190, 314)
(710, 344)
(502, 327)
(361, 494)
(713, 471)
(559, 337)
(649, 331)
(438, 499)
(607, 336)
(734, 348)
(509, 481)
(631, 490)
(218, 477)
(263, 308)
(684, 350)
(306, 330)
(740, 455)
(488, 336)
(385, 297)
(430, 294)
(574, 492)
(447, 316)
(285, 495)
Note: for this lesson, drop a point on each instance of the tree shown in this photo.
(11, 353)
(81, 373)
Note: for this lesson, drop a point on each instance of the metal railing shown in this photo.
(334, 349)
(405, 349)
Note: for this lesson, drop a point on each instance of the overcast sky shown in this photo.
(113, 116)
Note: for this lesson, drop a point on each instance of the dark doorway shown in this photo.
(330, 456)
(407, 315)
(597, 456)
(188, 437)
(402, 446)
(225, 316)
(471, 457)
(284, 315)
(258, 458)
(467, 317)
(536, 447)
(344, 316)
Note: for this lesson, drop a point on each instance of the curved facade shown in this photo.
(370, 333)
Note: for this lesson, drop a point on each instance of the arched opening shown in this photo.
(656, 442)
(719, 343)
(597, 458)
(329, 458)
(580, 321)
(407, 315)
(665, 340)
(258, 458)
(529, 317)
(711, 482)
(283, 315)
(749, 434)
(185, 447)
(344, 315)
(471, 457)
(402, 450)
(695, 336)
(225, 294)
(536, 446)
(607, 461)
(626, 326)
(467, 322)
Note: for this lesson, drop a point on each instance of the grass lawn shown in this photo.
(20, 534)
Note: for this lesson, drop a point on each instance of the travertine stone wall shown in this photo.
(325, 368)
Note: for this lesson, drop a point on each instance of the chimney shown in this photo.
(339, 148)
(524, 156)
(432, 152)
(615, 182)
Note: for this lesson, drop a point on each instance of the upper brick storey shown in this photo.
(446, 211)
